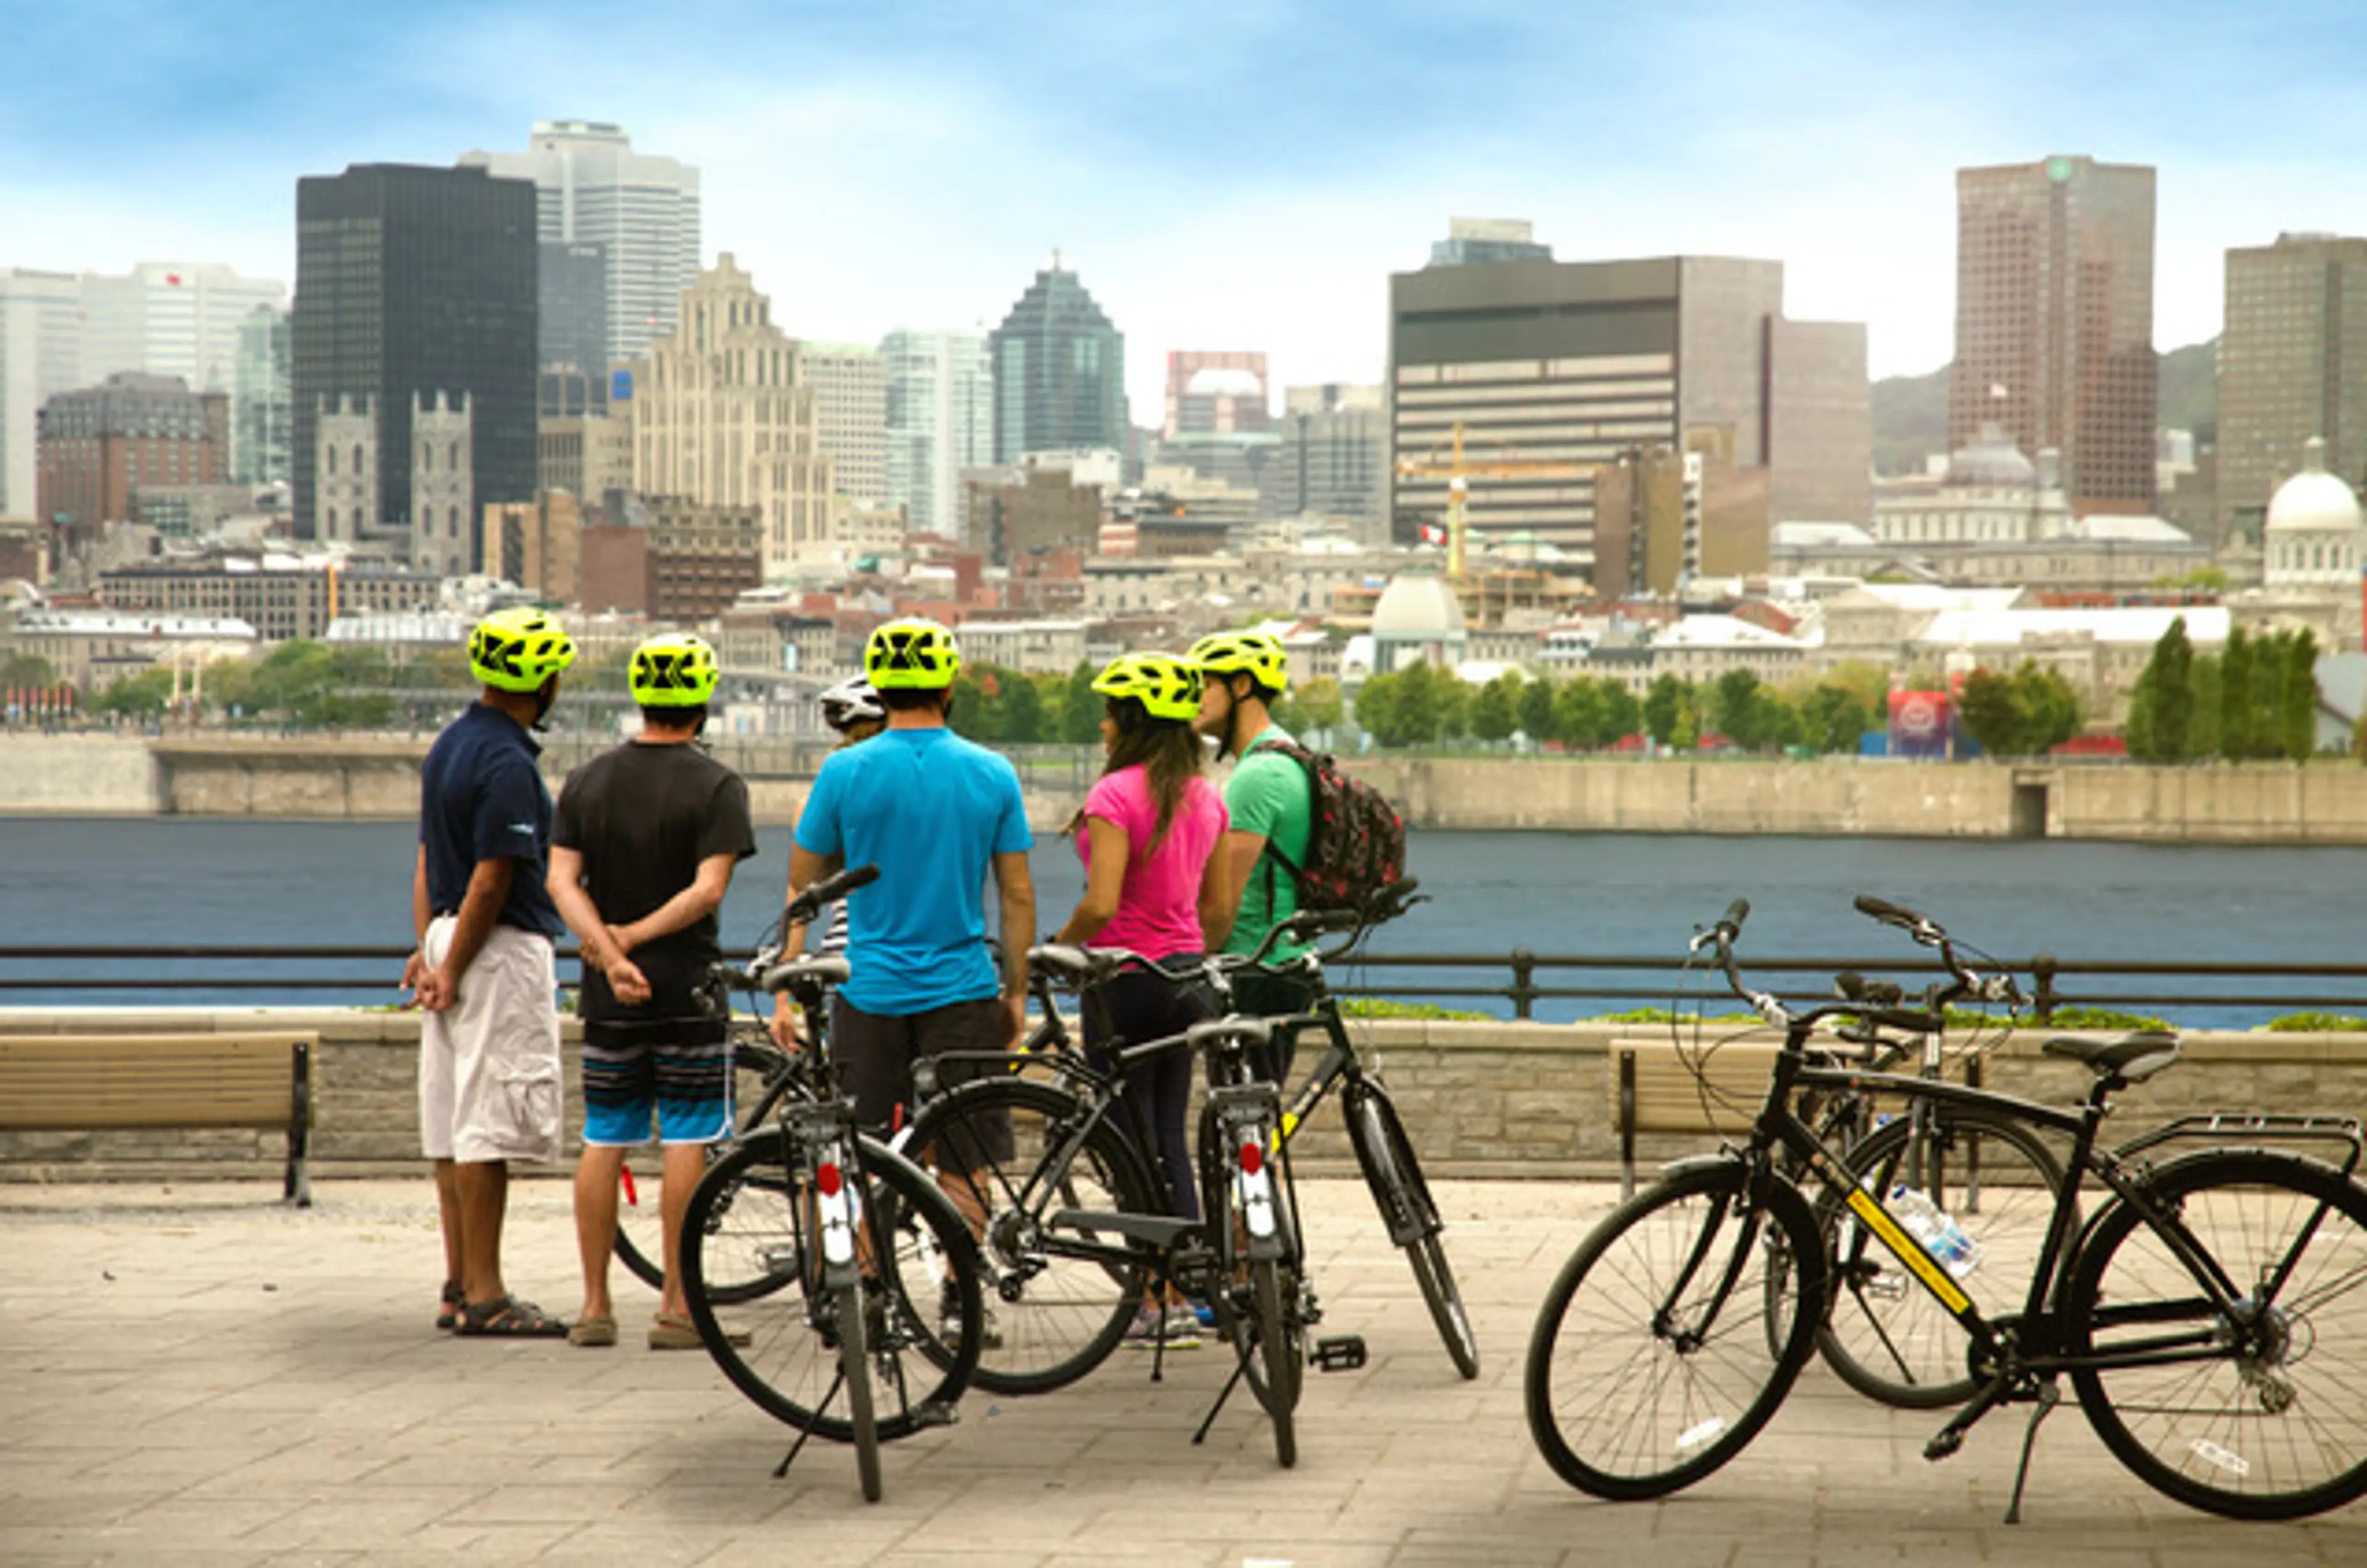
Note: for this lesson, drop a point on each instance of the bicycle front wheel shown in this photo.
(1061, 1289)
(1884, 1334)
(1652, 1363)
(1395, 1177)
(756, 1209)
(2255, 1412)
(854, 1375)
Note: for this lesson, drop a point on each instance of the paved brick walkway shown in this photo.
(198, 1376)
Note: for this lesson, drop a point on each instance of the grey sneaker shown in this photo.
(949, 1319)
(1143, 1334)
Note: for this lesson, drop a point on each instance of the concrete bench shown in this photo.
(83, 1083)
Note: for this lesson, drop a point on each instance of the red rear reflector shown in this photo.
(826, 1177)
(1252, 1159)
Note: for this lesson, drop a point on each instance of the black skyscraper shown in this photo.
(412, 281)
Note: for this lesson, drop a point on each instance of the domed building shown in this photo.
(1418, 620)
(1990, 493)
(2316, 536)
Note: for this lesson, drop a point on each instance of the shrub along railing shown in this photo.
(2069, 991)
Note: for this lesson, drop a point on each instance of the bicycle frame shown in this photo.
(2037, 1348)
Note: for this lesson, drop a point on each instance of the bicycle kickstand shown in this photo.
(1240, 1366)
(807, 1430)
(2049, 1397)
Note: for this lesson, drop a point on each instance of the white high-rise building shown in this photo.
(850, 389)
(592, 188)
(171, 318)
(940, 420)
(41, 356)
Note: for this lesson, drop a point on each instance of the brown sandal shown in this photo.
(508, 1318)
(453, 1302)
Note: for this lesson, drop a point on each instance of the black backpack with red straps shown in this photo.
(1355, 840)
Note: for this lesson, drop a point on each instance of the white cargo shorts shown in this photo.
(489, 1083)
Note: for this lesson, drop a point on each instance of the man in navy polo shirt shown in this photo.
(490, 1086)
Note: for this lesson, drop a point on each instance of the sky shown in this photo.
(1227, 175)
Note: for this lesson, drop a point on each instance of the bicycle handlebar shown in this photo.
(1875, 1003)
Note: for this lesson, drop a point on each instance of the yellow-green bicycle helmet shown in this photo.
(673, 669)
(1166, 686)
(911, 655)
(519, 648)
(1257, 655)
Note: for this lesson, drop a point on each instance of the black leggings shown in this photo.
(1130, 1009)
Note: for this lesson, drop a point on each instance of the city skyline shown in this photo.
(1253, 182)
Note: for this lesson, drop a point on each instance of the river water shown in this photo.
(166, 881)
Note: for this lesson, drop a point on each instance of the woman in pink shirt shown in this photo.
(1150, 826)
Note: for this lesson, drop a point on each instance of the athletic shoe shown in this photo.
(949, 1319)
(1143, 1334)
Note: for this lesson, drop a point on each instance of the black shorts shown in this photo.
(1273, 996)
(875, 1053)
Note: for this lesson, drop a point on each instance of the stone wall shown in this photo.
(1479, 1098)
(243, 775)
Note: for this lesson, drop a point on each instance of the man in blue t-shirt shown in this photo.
(935, 814)
(490, 1088)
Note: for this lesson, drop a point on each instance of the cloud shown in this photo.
(1232, 174)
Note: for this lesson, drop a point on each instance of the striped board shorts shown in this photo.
(675, 1076)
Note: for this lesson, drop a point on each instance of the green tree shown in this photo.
(1377, 708)
(1451, 695)
(1495, 707)
(143, 695)
(1080, 707)
(2235, 726)
(2297, 710)
(21, 668)
(1022, 709)
(1320, 705)
(2162, 705)
(1578, 714)
(1991, 715)
(2050, 708)
(974, 713)
(1536, 713)
(1831, 718)
(1622, 715)
(1665, 706)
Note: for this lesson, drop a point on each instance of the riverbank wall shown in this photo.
(1494, 1100)
(368, 777)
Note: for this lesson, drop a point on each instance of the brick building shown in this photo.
(280, 596)
(102, 446)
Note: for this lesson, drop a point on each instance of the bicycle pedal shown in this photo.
(1340, 1353)
(1942, 1446)
(936, 1412)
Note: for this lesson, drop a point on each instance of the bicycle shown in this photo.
(2205, 1313)
(1076, 1224)
(815, 1204)
(1988, 1181)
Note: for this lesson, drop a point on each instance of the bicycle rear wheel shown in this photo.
(1278, 1364)
(1062, 1292)
(1394, 1175)
(641, 1228)
(754, 1210)
(2262, 1419)
(1884, 1334)
(1650, 1365)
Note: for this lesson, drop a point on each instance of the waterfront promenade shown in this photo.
(196, 1375)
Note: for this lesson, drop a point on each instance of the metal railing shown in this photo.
(1528, 978)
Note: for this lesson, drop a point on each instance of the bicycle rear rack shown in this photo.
(2220, 1126)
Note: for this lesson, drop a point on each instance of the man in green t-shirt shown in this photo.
(1271, 804)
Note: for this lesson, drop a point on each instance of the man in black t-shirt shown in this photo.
(642, 855)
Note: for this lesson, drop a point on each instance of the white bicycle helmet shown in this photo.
(852, 701)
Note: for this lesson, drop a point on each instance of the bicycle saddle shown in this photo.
(806, 971)
(1234, 1027)
(2133, 1057)
(1067, 963)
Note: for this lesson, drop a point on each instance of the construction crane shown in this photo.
(1459, 471)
